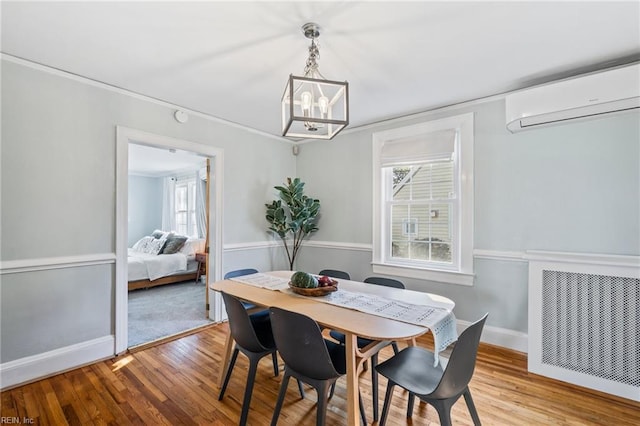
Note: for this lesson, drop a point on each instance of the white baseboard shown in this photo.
(511, 339)
(34, 367)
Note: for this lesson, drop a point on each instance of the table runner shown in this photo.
(441, 322)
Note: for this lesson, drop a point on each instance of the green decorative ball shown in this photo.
(304, 280)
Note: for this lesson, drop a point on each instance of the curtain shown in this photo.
(201, 199)
(168, 204)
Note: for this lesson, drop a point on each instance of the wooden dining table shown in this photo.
(352, 323)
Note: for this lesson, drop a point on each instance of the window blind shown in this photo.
(425, 148)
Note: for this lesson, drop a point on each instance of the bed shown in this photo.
(163, 258)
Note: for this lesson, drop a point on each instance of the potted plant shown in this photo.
(294, 213)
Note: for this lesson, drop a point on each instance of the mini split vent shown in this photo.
(580, 98)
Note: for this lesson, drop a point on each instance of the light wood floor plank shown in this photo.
(176, 383)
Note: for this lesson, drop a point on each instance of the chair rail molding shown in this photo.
(60, 262)
(514, 256)
(251, 245)
(340, 245)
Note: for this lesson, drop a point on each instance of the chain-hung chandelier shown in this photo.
(312, 106)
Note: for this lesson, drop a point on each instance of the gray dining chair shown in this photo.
(308, 357)
(413, 370)
(334, 273)
(254, 338)
(387, 282)
(362, 342)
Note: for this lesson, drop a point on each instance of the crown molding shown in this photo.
(106, 86)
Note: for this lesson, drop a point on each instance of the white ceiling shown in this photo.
(156, 162)
(231, 59)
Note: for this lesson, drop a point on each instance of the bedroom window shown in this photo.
(423, 201)
(185, 208)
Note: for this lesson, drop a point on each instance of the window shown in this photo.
(185, 208)
(419, 207)
(423, 201)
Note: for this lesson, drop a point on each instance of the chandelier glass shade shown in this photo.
(312, 106)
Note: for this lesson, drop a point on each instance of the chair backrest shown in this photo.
(387, 282)
(462, 362)
(334, 273)
(240, 324)
(239, 273)
(301, 345)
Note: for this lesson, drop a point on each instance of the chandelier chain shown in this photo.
(311, 68)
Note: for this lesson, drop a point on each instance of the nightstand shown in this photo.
(201, 258)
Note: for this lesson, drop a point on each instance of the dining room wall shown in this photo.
(565, 188)
(571, 188)
(58, 177)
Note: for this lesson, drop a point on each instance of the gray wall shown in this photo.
(58, 199)
(145, 206)
(574, 187)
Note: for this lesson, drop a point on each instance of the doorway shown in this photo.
(125, 138)
(166, 205)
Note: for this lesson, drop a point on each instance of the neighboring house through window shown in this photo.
(423, 201)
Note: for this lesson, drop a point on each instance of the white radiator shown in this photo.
(584, 320)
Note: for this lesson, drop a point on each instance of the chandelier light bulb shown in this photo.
(306, 100)
(323, 104)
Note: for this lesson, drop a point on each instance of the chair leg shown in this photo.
(321, 414)
(363, 416)
(251, 378)
(412, 398)
(281, 394)
(374, 386)
(472, 407)
(333, 388)
(387, 402)
(395, 348)
(234, 356)
(300, 389)
(274, 356)
(443, 407)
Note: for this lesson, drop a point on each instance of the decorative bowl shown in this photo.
(315, 292)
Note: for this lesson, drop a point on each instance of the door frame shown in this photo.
(124, 136)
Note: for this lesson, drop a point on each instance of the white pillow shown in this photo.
(155, 246)
(142, 242)
(192, 246)
(149, 245)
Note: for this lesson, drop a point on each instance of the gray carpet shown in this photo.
(165, 310)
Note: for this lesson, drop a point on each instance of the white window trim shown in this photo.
(464, 276)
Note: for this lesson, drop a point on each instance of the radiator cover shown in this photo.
(584, 320)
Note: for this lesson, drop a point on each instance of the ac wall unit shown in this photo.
(593, 95)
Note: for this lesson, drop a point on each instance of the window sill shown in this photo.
(448, 277)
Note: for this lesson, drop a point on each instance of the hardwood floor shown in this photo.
(175, 383)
